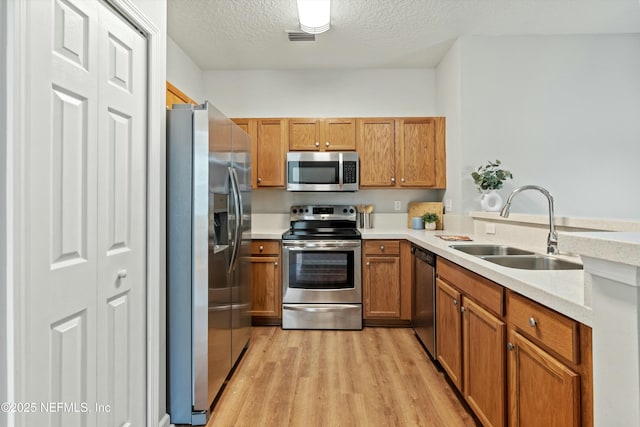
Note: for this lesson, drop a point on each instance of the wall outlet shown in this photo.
(397, 205)
(490, 228)
(448, 205)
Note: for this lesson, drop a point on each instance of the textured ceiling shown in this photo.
(251, 34)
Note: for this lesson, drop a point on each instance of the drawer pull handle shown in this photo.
(510, 346)
(455, 302)
(261, 248)
(382, 247)
(532, 322)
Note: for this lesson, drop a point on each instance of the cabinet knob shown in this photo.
(462, 309)
(510, 346)
(275, 263)
(122, 274)
(532, 322)
(326, 144)
(368, 263)
(455, 302)
(401, 179)
(393, 179)
(382, 247)
(259, 179)
(261, 248)
(317, 144)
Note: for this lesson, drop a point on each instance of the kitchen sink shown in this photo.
(508, 256)
(533, 262)
(488, 249)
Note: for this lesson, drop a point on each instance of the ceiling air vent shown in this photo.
(301, 37)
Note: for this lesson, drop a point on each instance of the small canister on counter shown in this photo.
(417, 223)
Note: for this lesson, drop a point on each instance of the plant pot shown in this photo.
(491, 201)
(429, 225)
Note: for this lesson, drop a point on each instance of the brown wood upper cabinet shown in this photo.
(176, 96)
(322, 134)
(268, 150)
(402, 152)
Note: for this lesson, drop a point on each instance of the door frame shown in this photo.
(14, 205)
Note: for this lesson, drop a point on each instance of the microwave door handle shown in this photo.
(340, 171)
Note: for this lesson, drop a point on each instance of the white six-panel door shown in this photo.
(86, 181)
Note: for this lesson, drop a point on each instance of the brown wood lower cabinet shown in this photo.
(266, 282)
(550, 366)
(386, 281)
(541, 388)
(540, 374)
(470, 348)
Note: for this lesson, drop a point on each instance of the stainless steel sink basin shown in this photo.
(488, 249)
(533, 262)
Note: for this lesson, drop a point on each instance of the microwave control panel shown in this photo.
(349, 173)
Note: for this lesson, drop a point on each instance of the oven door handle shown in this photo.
(297, 245)
(320, 309)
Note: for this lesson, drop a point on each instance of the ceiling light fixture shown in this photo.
(314, 15)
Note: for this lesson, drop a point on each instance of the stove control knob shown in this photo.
(306, 211)
(351, 210)
(295, 211)
(344, 210)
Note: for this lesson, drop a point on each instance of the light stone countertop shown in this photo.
(561, 290)
(623, 247)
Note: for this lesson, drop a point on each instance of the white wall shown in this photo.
(562, 112)
(326, 93)
(448, 99)
(183, 73)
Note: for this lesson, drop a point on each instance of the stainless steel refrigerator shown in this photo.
(208, 251)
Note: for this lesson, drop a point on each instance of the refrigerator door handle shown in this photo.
(235, 193)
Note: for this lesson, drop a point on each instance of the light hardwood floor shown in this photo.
(373, 377)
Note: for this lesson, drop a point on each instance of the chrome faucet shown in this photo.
(552, 240)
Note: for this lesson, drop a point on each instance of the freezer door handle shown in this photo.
(237, 236)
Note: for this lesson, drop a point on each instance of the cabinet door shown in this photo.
(417, 152)
(338, 135)
(484, 363)
(449, 331)
(376, 149)
(381, 287)
(542, 390)
(265, 286)
(271, 153)
(304, 135)
(250, 126)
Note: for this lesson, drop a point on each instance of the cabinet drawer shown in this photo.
(481, 289)
(382, 247)
(265, 247)
(559, 333)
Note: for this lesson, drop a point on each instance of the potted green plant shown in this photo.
(488, 178)
(430, 220)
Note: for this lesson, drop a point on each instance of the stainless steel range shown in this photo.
(321, 275)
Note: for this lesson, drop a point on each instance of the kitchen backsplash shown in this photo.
(279, 201)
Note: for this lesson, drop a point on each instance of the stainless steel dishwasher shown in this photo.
(423, 318)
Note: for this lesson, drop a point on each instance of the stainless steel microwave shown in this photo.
(327, 171)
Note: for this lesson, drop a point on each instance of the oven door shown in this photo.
(321, 271)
